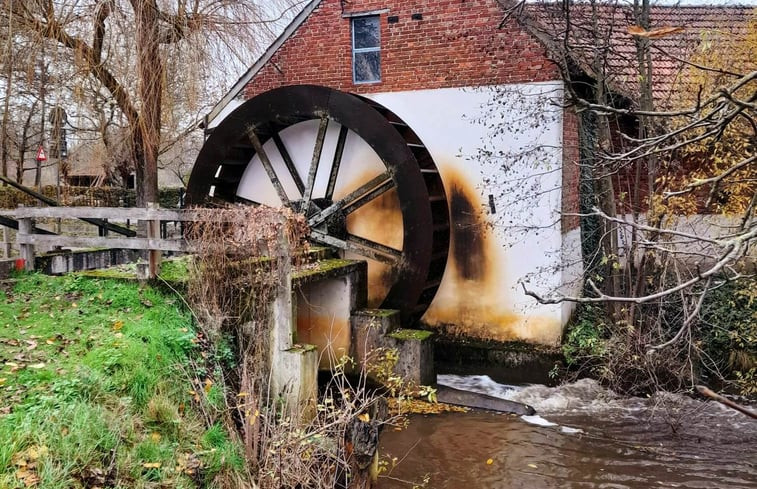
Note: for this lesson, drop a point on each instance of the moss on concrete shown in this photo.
(411, 335)
(324, 268)
(380, 313)
(174, 270)
(302, 348)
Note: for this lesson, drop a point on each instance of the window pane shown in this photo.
(366, 31)
(368, 66)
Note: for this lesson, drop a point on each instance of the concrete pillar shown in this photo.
(294, 368)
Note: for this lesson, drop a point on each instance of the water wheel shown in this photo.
(365, 181)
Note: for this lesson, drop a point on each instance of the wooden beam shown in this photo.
(101, 242)
(135, 213)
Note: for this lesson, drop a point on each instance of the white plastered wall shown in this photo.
(498, 149)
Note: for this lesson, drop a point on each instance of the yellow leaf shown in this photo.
(151, 465)
(38, 365)
(533, 466)
(208, 385)
(489, 461)
(155, 436)
(2, 380)
(117, 325)
(365, 417)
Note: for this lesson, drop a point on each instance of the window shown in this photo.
(366, 49)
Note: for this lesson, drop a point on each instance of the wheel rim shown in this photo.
(254, 143)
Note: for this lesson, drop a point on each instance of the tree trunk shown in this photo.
(146, 134)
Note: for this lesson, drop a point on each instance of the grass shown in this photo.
(98, 389)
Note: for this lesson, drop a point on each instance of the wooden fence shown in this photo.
(28, 236)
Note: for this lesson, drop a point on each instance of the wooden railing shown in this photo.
(28, 236)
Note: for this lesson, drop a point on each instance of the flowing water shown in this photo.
(583, 436)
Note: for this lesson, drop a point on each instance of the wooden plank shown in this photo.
(122, 213)
(101, 242)
(153, 234)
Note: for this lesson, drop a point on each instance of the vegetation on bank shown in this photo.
(106, 383)
(719, 348)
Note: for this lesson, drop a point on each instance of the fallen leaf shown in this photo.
(151, 465)
(32, 344)
(489, 461)
(38, 365)
(208, 385)
(117, 325)
(155, 436)
(2, 380)
(533, 466)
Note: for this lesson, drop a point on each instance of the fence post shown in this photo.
(6, 243)
(25, 232)
(153, 233)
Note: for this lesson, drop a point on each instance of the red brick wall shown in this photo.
(457, 43)
(570, 171)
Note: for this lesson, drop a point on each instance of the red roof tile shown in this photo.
(609, 40)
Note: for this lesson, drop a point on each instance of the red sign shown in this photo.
(41, 156)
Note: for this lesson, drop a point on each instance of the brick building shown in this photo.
(481, 95)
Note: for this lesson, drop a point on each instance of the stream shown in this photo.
(583, 436)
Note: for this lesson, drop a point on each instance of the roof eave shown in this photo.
(256, 67)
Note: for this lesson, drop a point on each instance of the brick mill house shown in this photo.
(479, 101)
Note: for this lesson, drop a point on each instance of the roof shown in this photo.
(87, 159)
(700, 27)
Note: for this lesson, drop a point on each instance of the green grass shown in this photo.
(97, 389)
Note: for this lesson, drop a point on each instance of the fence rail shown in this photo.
(28, 236)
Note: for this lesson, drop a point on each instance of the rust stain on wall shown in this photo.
(472, 299)
(330, 334)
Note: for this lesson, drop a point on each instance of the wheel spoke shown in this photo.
(380, 190)
(266, 162)
(360, 194)
(343, 131)
(390, 255)
(308, 192)
(289, 163)
(360, 246)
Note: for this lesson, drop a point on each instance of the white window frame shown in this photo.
(365, 50)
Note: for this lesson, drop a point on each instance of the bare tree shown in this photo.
(670, 211)
(137, 51)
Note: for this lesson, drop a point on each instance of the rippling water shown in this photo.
(583, 436)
